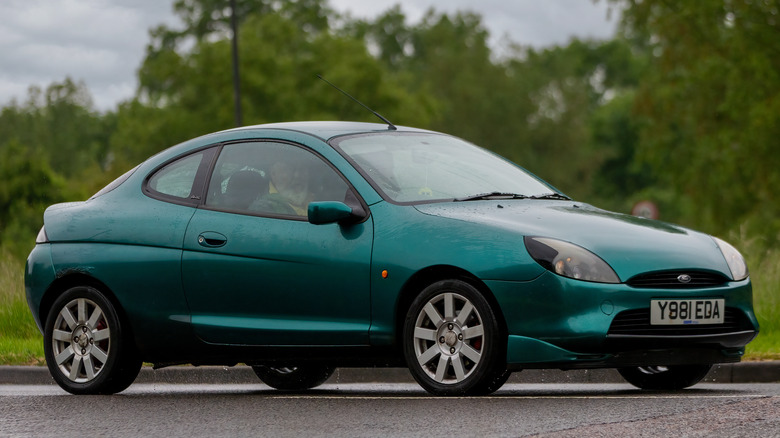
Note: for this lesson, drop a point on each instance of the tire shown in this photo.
(497, 382)
(293, 378)
(86, 345)
(665, 378)
(449, 353)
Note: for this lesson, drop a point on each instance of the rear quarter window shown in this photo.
(176, 178)
(180, 181)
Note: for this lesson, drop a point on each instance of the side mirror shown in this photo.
(329, 212)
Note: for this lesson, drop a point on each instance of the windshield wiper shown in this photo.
(551, 196)
(491, 195)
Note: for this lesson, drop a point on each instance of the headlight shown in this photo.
(570, 260)
(736, 262)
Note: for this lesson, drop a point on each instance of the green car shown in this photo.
(296, 248)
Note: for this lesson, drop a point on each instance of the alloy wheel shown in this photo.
(448, 338)
(81, 340)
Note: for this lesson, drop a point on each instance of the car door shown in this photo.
(256, 272)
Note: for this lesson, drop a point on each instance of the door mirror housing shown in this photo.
(329, 212)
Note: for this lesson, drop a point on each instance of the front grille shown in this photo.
(637, 323)
(671, 280)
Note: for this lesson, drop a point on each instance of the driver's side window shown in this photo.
(271, 179)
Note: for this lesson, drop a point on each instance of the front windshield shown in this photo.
(420, 167)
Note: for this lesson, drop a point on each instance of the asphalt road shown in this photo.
(398, 409)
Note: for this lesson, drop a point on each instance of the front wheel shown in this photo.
(86, 345)
(452, 341)
(293, 378)
(668, 378)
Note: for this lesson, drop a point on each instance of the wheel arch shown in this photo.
(430, 275)
(67, 281)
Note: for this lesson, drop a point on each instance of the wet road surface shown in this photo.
(711, 410)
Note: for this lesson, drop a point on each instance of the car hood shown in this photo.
(631, 245)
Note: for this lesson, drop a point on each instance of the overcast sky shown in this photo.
(102, 42)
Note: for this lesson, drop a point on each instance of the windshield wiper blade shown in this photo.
(492, 195)
(551, 196)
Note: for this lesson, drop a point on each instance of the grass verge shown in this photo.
(20, 341)
(765, 275)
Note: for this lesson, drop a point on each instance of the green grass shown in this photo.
(20, 341)
(21, 351)
(22, 344)
(765, 275)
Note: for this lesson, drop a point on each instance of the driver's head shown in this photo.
(290, 182)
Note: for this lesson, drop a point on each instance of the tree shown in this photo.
(29, 186)
(532, 106)
(187, 91)
(614, 132)
(570, 90)
(60, 125)
(447, 60)
(711, 104)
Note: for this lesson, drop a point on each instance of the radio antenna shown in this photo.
(390, 125)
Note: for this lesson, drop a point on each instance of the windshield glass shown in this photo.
(420, 167)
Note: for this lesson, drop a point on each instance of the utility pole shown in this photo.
(236, 85)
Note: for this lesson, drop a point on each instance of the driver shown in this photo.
(290, 185)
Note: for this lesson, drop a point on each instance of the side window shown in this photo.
(177, 178)
(268, 178)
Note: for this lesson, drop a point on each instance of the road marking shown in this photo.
(511, 397)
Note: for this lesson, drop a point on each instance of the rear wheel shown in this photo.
(665, 377)
(293, 378)
(452, 341)
(87, 347)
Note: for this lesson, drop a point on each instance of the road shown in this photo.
(556, 410)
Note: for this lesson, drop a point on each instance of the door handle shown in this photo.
(211, 239)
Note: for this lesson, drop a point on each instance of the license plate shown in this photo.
(682, 312)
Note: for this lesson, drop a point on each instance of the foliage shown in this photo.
(205, 18)
(29, 186)
(532, 106)
(52, 148)
(59, 125)
(572, 90)
(185, 92)
(710, 101)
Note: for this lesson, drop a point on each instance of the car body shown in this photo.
(299, 247)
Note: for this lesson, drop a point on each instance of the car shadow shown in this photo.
(411, 391)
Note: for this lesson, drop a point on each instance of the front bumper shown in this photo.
(528, 353)
(557, 322)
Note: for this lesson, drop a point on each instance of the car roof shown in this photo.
(325, 129)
